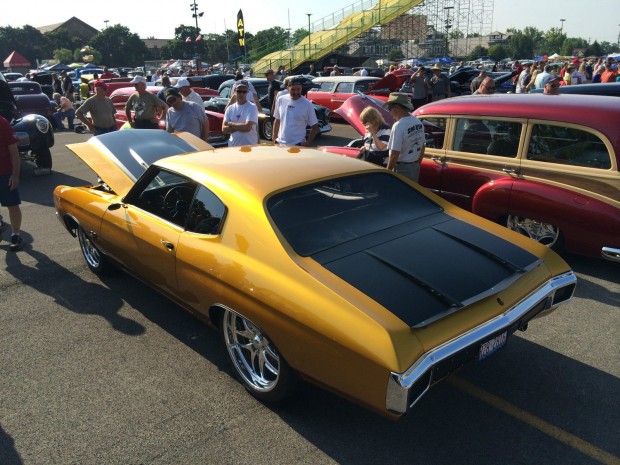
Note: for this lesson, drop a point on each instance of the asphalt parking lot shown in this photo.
(106, 371)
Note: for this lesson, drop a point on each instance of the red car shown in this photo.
(546, 166)
(216, 137)
(335, 90)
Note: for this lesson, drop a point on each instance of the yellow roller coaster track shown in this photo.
(323, 42)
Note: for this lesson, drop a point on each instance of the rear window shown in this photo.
(326, 214)
(487, 136)
(567, 146)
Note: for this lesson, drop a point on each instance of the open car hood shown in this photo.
(119, 158)
(392, 81)
(350, 110)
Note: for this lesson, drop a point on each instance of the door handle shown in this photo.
(166, 244)
(436, 159)
(509, 170)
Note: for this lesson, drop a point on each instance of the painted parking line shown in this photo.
(557, 433)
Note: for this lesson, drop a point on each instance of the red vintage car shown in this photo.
(335, 90)
(216, 137)
(546, 166)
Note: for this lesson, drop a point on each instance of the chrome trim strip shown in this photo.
(611, 253)
(399, 384)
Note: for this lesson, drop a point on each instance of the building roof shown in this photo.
(74, 25)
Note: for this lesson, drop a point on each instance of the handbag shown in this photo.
(370, 156)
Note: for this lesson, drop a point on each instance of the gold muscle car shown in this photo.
(312, 265)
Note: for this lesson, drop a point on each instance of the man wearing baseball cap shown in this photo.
(185, 115)
(406, 145)
(145, 106)
(551, 84)
(186, 91)
(293, 114)
(241, 118)
(101, 111)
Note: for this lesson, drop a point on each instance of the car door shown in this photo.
(481, 154)
(323, 95)
(143, 232)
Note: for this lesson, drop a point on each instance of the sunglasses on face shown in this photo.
(240, 91)
(171, 100)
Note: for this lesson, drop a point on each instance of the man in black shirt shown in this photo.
(67, 85)
(274, 88)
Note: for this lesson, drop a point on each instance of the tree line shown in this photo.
(118, 46)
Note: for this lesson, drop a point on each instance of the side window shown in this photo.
(326, 86)
(344, 88)
(490, 137)
(164, 194)
(225, 92)
(364, 86)
(435, 129)
(206, 213)
(567, 146)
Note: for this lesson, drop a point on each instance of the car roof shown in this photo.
(345, 78)
(599, 112)
(258, 171)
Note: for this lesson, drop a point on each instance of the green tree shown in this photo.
(554, 38)
(26, 40)
(395, 54)
(299, 35)
(521, 46)
(120, 47)
(456, 34)
(477, 52)
(497, 52)
(61, 38)
(63, 55)
(595, 49)
(266, 42)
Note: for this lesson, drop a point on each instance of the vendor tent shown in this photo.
(16, 60)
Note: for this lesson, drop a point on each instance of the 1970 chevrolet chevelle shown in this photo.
(311, 264)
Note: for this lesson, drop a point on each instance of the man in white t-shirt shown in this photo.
(406, 145)
(241, 118)
(293, 114)
(188, 93)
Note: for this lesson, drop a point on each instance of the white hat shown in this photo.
(138, 80)
(182, 83)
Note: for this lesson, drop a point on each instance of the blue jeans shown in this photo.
(59, 116)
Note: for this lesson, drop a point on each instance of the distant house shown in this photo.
(74, 26)
(154, 46)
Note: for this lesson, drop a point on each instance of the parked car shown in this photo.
(265, 122)
(210, 81)
(120, 96)
(35, 133)
(461, 79)
(10, 77)
(546, 166)
(335, 90)
(31, 99)
(310, 264)
(611, 89)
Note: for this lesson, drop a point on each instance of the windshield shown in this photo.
(326, 214)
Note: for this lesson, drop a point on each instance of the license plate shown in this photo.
(492, 346)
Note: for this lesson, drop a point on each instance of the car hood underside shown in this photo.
(425, 270)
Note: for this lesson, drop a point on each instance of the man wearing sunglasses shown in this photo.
(551, 85)
(185, 116)
(241, 118)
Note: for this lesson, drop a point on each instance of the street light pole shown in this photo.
(309, 33)
(562, 27)
(106, 21)
(448, 26)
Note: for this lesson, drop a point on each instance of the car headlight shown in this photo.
(42, 124)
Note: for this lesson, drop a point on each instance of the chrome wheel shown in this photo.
(95, 260)
(267, 129)
(254, 358)
(544, 233)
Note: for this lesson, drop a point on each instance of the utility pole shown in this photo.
(309, 33)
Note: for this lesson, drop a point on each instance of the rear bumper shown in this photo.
(405, 389)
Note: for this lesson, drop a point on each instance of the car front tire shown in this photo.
(257, 363)
(266, 129)
(543, 233)
(97, 262)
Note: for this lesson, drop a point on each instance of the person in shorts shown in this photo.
(9, 180)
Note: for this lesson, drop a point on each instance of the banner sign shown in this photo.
(241, 31)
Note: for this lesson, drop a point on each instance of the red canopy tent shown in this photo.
(16, 60)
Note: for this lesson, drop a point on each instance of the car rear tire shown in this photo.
(266, 129)
(257, 363)
(543, 233)
(97, 262)
(43, 156)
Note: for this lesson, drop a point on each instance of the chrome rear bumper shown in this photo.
(405, 389)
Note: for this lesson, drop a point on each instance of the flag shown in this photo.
(241, 31)
(189, 39)
(199, 38)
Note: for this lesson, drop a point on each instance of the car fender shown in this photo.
(492, 199)
(586, 222)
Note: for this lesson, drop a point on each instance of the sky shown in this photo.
(159, 18)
